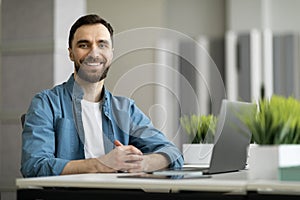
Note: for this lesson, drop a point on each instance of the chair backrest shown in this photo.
(23, 120)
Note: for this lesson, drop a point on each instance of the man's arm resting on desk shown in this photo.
(98, 165)
(91, 165)
(155, 161)
(121, 158)
(149, 162)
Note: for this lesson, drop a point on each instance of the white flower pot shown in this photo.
(252, 145)
(266, 160)
(197, 154)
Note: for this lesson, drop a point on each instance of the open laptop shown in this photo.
(229, 153)
(231, 141)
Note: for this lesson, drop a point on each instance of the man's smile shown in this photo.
(93, 64)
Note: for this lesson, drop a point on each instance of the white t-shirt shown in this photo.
(92, 125)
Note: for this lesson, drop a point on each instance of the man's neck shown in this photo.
(92, 91)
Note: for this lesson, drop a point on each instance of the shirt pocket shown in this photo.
(67, 141)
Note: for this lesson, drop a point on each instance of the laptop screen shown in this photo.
(232, 137)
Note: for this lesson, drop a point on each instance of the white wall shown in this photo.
(243, 15)
(196, 17)
(285, 15)
(278, 15)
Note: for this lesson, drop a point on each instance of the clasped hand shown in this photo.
(124, 158)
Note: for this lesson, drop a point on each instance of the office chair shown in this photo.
(23, 119)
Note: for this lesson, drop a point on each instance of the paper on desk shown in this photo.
(177, 172)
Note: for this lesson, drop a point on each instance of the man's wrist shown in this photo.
(101, 166)
(154, 162)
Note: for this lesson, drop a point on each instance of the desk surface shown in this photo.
(228, 182)
(235, 182)
(274, 187)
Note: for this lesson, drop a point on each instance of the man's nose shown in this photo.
(95, 51)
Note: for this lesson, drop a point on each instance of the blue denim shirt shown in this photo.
(53, 131)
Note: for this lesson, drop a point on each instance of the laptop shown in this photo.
(231, 141)
(229, 153)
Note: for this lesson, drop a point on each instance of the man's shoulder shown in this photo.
(122, 98)
(54, 92)
(114, 97)
(118, 100)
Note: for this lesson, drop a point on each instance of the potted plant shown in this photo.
(200, 130)
(275, 129)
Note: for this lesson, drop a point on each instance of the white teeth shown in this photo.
(93, 64)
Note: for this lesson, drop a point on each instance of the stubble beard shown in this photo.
(92, 77)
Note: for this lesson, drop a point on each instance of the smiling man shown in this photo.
(80, 127)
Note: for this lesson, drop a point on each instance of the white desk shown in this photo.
(216, 187)
(220, 182)
(274, 187)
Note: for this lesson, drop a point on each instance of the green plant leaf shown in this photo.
(200, 128)
(277, 121)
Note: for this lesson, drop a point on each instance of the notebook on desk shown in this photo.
(231, 142)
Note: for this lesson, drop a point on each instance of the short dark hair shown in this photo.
(89, 20)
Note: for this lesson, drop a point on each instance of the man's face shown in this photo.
(91, 52)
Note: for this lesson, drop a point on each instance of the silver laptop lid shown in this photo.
(232, 137)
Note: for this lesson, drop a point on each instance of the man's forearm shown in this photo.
(91, 165)
(155, 162)
(151, 162)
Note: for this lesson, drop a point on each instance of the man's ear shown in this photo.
(112, 53)
(71, 56)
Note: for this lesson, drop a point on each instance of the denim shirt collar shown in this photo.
(74, 88)
(76, 91)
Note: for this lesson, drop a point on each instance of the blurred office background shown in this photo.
(173, 57)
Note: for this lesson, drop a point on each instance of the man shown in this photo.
(80, 127)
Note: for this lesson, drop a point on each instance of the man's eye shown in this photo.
(83, 46)
(102, 46)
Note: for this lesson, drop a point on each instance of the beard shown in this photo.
(91, 76)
